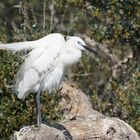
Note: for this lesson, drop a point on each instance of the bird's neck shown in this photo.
(71, 56)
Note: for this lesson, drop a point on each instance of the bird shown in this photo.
(45, 64)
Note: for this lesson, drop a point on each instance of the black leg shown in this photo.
(37, 108)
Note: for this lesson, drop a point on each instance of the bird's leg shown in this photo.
(37, 108)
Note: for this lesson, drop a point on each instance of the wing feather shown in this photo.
(20, 46)
(30, 45)
(37, 65)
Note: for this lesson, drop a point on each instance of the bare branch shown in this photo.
(44, 16)
(52, 15)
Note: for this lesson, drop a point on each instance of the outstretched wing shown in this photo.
(20, 46)
(30, 45)
(36, 65)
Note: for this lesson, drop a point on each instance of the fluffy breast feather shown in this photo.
(40, 67)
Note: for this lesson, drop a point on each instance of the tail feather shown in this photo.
(20, 46)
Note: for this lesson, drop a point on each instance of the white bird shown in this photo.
(45, 65)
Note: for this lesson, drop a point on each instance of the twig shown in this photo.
(81, 75)
(44, 16)
(52, 15)
(26, 23)
(33, 13)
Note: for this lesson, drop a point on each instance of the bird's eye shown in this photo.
(79, 43)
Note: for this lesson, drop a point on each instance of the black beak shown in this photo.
(89, 49)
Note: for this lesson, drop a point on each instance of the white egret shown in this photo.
(45, 65)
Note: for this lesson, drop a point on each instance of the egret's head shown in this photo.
(78, 43)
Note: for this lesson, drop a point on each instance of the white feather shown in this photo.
(30, 45)
(45, 64)
(34, 73)
(20, 46)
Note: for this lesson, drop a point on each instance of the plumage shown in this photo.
(34, 72)
(45, 65)
(30, 45)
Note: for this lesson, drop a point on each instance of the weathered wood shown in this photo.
(39, 133)
(80, 122)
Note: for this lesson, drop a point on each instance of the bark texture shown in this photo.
(79, 122)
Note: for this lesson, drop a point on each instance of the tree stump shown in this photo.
(79, 122)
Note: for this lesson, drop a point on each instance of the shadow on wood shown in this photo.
(80, 122)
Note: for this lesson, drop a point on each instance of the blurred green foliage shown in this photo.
(115, 23)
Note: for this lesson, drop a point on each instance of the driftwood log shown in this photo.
(79, 122)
